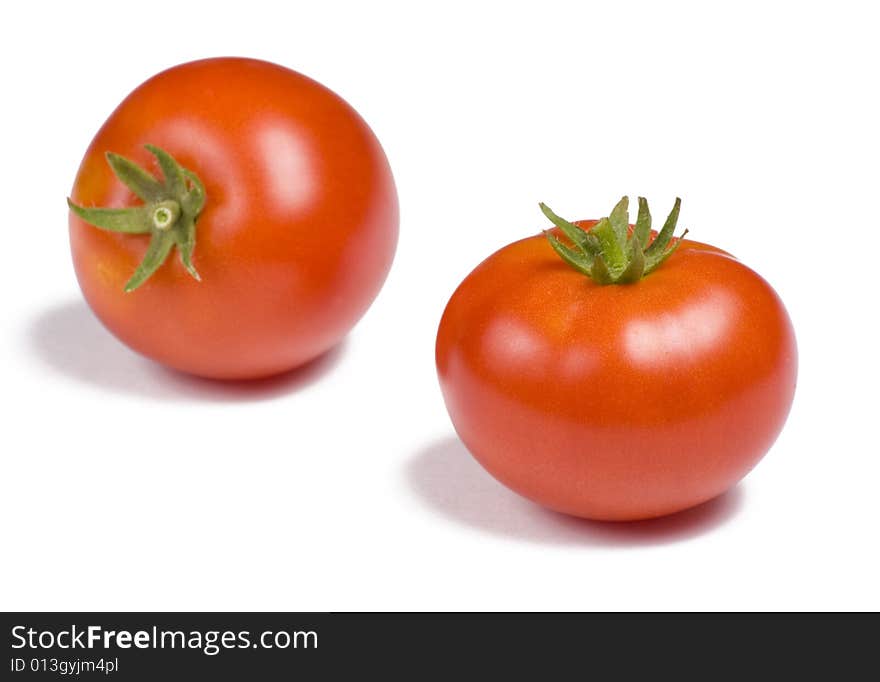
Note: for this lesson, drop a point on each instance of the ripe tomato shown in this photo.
(293, 213)
(618, 401)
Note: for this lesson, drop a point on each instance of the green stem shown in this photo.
(169, 213)
(608, 252)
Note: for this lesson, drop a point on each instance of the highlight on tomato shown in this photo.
(232, 219)
(611, 372)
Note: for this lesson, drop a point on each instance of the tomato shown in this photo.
(616, 401)
(296, 224)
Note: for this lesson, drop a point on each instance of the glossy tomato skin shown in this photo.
(616, 402)
(296, 237)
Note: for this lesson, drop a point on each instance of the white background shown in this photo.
(125, 486)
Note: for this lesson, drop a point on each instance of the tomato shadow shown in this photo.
(70, 340)
(449, 480)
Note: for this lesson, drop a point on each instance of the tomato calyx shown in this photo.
(169, 213)
(610, 252)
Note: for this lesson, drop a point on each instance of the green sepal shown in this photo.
(169, 213)
(619, 219)
(194, 199)
(577, 235)
(157, 252)
(612, 249)
(185, 238)
(144, 185)
(601, 274)
(642, 231)
(571, 256)
(662, 239)
(608, 253)
(135, 220)
(171, 170)
(657, 259)
(635, 268)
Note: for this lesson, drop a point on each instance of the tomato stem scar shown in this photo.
(165, 214)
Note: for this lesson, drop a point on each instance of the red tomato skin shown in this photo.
(296, 237)
(618, 402)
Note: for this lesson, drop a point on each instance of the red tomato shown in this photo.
(622, 401)
(295, 238)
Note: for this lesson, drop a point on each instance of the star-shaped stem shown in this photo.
(611, 253)
(169, 213)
